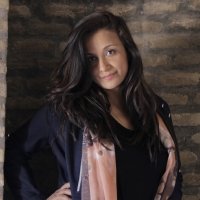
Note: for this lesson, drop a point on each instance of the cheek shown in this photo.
(123, 66)
(126, 64)
(126, 68)
(124, 71)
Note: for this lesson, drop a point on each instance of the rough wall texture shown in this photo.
(168, 36)
(3, 53)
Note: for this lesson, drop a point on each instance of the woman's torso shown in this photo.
(137, 176)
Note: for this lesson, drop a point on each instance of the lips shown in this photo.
(109, 76)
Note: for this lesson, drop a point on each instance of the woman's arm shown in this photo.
(177, 193)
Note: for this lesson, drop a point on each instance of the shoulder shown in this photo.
(43, 116)
(161, 103)
(46, 113)
(163, 110)
(43, 122)
(163, 107)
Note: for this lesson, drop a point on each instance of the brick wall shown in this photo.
(168, 36)
(3, 54)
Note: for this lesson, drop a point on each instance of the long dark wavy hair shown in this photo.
(76, 98)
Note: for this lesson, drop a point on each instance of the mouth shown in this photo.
(109, 76)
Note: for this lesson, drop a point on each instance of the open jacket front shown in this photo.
(42, 130)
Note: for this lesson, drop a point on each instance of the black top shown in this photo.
(137, 177)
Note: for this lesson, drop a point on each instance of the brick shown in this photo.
(2, 109)
(134, 26)
(3, 89)
(2, 114)
(36, 27)
(1, 155)
(24, 103)
(2, 145)
(140, 42)
(19, 11)
(4, 4)
(20, 86)
(16, 86)
(2, 132)
(3, 46)
(33, 46)
(196, 138)
(32, 63)
(173, 78)
(2, 78)
(194, 4)
(155, 60)
(120, 8)
(38, 85)
(16, 28)
(190, 197)
(3, 67)
(188, 158)
(187, 119)
(49, 64)
(60, 10)
(197, 99)
(151, 26)
(22, 63)
(183, 59)
(191, 179)
(2, 104)
(155, 8)
(184, 22)
(175, 99)
(1, 182)
(172, 41)
(4, 26)
(145, 26)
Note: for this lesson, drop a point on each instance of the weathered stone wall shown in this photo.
(168, 36)
(3, 65)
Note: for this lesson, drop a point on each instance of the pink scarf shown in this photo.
(99, 168)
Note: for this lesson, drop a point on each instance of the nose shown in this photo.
(104, 65)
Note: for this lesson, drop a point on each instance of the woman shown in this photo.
(112, 136)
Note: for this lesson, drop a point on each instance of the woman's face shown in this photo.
(107, 58)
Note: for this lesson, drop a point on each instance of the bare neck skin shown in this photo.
(117, 111)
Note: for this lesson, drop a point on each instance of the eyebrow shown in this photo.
(107, 46)
(115, 44)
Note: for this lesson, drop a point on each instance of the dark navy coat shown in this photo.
(42, 130)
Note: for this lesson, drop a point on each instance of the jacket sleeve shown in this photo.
(20, 145)
(177, 193)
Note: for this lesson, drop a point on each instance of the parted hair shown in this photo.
(76, 98)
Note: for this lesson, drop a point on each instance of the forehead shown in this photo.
(102, 38)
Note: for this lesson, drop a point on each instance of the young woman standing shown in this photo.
(112, 136)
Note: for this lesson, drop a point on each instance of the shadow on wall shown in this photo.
(34, 44)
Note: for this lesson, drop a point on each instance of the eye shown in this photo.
(110, 52)
(91, 60)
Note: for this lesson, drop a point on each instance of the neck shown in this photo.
(117, 109)
(115, 99)
(116, 103)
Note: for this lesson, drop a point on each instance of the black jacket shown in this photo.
(42, 130)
